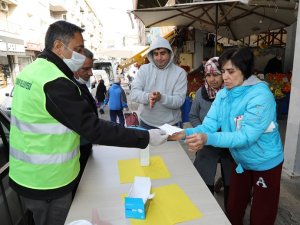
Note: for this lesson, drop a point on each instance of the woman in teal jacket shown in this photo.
(245, 111)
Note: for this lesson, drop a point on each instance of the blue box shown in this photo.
(135, 208)
(137, 201)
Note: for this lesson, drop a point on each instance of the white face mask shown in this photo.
(75, 62)
(82, 81)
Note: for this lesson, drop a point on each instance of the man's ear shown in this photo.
(58, 48)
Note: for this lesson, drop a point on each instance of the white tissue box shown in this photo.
(145, 156)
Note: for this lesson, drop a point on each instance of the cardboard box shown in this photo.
(138, 199)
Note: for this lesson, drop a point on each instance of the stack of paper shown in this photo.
(170, 129)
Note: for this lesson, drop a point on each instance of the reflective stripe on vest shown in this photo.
(56, 128)
(43, 158)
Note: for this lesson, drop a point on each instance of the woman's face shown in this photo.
(214, 80)
(232, 76)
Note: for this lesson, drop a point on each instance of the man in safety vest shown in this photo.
(48, 116)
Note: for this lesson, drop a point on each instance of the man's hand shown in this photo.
(151, 103)
(153, 98)
(196, 142)
(157, 137)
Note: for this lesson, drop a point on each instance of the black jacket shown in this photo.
(101, 92)
(86, 94)
(65, 104)
(274, 65)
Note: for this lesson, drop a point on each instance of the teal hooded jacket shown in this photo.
(246, 115)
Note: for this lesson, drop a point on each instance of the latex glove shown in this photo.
(157, 137)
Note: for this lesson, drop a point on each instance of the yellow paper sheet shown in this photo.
(169, 206)
(130, 168)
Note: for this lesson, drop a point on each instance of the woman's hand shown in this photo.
(176, 136)
(196, 142)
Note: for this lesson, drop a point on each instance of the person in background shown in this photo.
(201, 69)
(245, 112)
(117, 101)
(129, 78)
(207, 159)
(274, 65)
(49, 114)
(82, 77)
(100, 95)
(160, 87)
(120, 72)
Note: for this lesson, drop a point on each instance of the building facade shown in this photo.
(23, 25)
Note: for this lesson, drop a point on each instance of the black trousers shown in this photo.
(85, 152)
(49, 212)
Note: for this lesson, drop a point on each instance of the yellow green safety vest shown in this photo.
(44, 154)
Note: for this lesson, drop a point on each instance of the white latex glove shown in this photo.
(157, 137)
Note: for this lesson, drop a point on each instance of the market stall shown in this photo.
(195, 81)
(280, 85)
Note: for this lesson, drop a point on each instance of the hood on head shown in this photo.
(159, 42)
(252, 80)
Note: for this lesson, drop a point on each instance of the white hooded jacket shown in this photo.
(170, 81)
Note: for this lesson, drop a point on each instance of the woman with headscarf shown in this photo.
(207, 159)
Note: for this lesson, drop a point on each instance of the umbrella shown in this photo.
(232, 19)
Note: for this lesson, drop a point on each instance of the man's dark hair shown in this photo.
(242, 58)
(60, 30)
(88, 53)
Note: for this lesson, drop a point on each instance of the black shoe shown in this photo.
(218, 185)
(101, 111)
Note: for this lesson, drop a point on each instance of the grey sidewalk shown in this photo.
(289, 203)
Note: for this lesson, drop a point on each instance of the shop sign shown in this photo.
(11, 47)
(33, 46)
(3, 46)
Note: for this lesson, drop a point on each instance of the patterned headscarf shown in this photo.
(212, 67)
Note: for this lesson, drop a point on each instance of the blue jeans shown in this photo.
(101, 104)
(117, 113)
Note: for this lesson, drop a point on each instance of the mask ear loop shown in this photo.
(65, 47)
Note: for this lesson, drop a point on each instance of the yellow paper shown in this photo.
(130, 168)
(169, 206)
